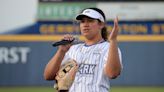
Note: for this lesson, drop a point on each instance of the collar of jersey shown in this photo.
(94, 44)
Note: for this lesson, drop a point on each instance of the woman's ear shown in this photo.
(102, 25)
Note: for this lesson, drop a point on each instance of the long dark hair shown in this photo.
(104, 32)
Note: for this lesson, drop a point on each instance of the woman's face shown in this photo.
(90, 28)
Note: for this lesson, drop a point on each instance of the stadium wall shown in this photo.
(22, 62)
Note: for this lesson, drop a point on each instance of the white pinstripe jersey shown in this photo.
(91, 60)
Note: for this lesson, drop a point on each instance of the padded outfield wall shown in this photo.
(23, 62)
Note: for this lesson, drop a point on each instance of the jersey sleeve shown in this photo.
(120, 57)
(66, 57)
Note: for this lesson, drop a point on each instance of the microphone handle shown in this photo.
(62, 42)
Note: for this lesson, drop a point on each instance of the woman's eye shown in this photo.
(90, 20)
(82, 21)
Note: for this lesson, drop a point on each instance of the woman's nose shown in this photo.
(86, 23)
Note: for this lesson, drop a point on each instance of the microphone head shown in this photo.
(65, 42)
(76, 41)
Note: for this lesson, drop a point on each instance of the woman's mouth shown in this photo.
(86, 30)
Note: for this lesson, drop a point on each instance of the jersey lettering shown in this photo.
(87, 68)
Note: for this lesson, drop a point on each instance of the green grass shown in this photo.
(50, 89)
(137, 89)
(27, 89)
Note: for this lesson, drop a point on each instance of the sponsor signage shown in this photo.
(125, 11)
(126, 27)
(22, 63)
(14, 55)
(61, 11)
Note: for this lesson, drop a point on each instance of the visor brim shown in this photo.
(81, 16)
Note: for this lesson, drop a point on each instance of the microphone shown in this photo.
(65, 42)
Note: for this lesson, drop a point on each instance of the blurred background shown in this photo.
(29, 27)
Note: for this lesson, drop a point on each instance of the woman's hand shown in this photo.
(114, 32)
(65, 48)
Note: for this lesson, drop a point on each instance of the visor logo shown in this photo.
(86, 11)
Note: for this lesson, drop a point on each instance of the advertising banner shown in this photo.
(72, 27)
(126, 11)
(61, 11)
(22, 63)
(126, 27)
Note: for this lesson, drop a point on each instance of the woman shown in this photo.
(98, 58)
